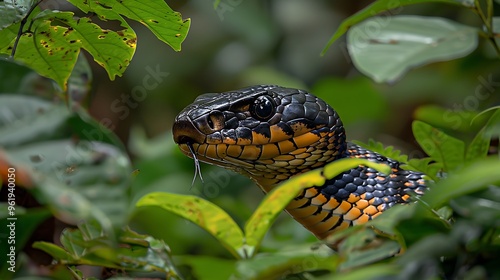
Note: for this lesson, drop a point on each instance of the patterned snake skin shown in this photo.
(270, 133)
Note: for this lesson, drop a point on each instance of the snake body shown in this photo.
(270, 133)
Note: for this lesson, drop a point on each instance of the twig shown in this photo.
(23, 22)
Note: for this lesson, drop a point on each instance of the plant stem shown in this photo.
(21, 26)
(487, 21)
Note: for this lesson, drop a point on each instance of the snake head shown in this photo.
(266, 132)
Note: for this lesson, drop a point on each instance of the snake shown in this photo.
(271, 133)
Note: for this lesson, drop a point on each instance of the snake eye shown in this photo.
(263, 108)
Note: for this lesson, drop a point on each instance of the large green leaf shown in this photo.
(203, 213)
(390, 7)
(443, 148)
(76, 179)
(384, 49)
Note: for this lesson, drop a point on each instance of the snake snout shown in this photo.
(184, 131)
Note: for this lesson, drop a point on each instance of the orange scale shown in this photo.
(221, 150)
(202, 149)
(361, 204)
(361, 220)
(277, 134)
(353, 198)
(211, 151)
(409, 184)
(305, 139)
(303, 212)
(371, 210)
(405, 197)
(311, 192)
(234, 151)
(319, 200)
(343, 208)
(259, 139)
(353, 214)
(250, 152)
(331, 204)
(296, 203)
(243, 141)
(269, 151)
(343, 225)
(286, 146)
(327, 225)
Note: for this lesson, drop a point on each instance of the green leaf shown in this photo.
(473, 178)
(78, 180)
(203, 213)
(392, 8)
(388, 151)
(363, 248)
(113, 50)
(276, 200)
(445, 118)
(426, 166)
(492, 128)
(385, 49)
(287, 261)
(443, 148)
(50, 50)
(483, 207)
(134, 252)
(479, 146)
(53, 250)
(25, 120)
(13, 11)
(156, 15)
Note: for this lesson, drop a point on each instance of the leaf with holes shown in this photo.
(156, 15)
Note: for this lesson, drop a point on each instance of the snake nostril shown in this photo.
(215, 120)
(210, 122)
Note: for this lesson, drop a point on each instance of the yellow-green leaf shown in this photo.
(203, 213)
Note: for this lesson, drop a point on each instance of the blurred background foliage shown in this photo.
(243, 43)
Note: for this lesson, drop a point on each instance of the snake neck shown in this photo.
(326, 145)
